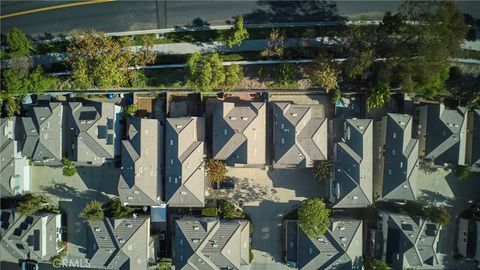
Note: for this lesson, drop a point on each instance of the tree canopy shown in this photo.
(93, 211)
(236, 34)
(374, 264)
(206, 73)
(18, 43)
(20, 81)
(101, 61)
(314, 217)
(378, 96)
(324, 74)
(31, 203)
(216, 170)
(118, 210)
(69, 168)
(322, 169)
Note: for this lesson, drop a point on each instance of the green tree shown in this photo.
(118, 210)
(275, 45)
(422, 48)
(31, 203)
(335, 95)
(236, 34)
(210, 212)
(216, 170)
(18, 43)
(69, 168)
(12, 105)
(374, 264)
(359, 51)
(130, 110)
(462, 172)
(378, 96)
(233, 76)
(324, 74)
(313, 217)
(93, 211)
(437, 214)
(97, 60)
(286, 75)
(229, 211)
(205, 72)
(19, 81)
(322, 169)
(435, 86)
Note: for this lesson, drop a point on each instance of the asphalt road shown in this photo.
(123, 15)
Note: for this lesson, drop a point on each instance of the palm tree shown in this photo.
(322, 169)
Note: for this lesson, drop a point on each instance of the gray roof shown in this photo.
(7, 159)
(41, 134)
(184, 165)
(400, 158)
(475, 155)
(141, 179)
(32, 236)
(446, 135)
(339, 248)
(210, 243)
(93, 131)
(119, 243)
(410, 241)
(300, 135)
(353, 185)
(14, 169)
(239, 135)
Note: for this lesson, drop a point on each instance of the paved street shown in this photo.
(268, 195)
(115, 16)
(73, 193)
(442, 188)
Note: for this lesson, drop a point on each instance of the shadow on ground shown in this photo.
(301, 181)
(103, 179)
(294, 11)
(267, 224)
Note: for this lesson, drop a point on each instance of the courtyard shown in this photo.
(268, 195)
(73, 193)
(441, 187)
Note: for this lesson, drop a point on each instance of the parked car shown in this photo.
(29, 265)
(228, 183)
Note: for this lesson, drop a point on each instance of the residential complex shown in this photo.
(157, 168)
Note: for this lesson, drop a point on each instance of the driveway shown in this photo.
(443, 188)
(268, 195)
(73, 193)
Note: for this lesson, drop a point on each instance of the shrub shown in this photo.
(229, 211)
(210, 212)
(216, 170)
(31, 203)
(322, 169)
(118, 210)
(68, 168)
(130, 110)
(236, 34)
(462, 172)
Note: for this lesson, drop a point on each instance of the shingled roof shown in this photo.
(238, 135)
(119, 243)
(210, 243)
(41, 134)
(94, 129)
(410, 241)
(300, 135)
(33, 236)
(400, 158)
(141, 179)
(353, 185)
(446, 130)
(184, 165)
(339, 248)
